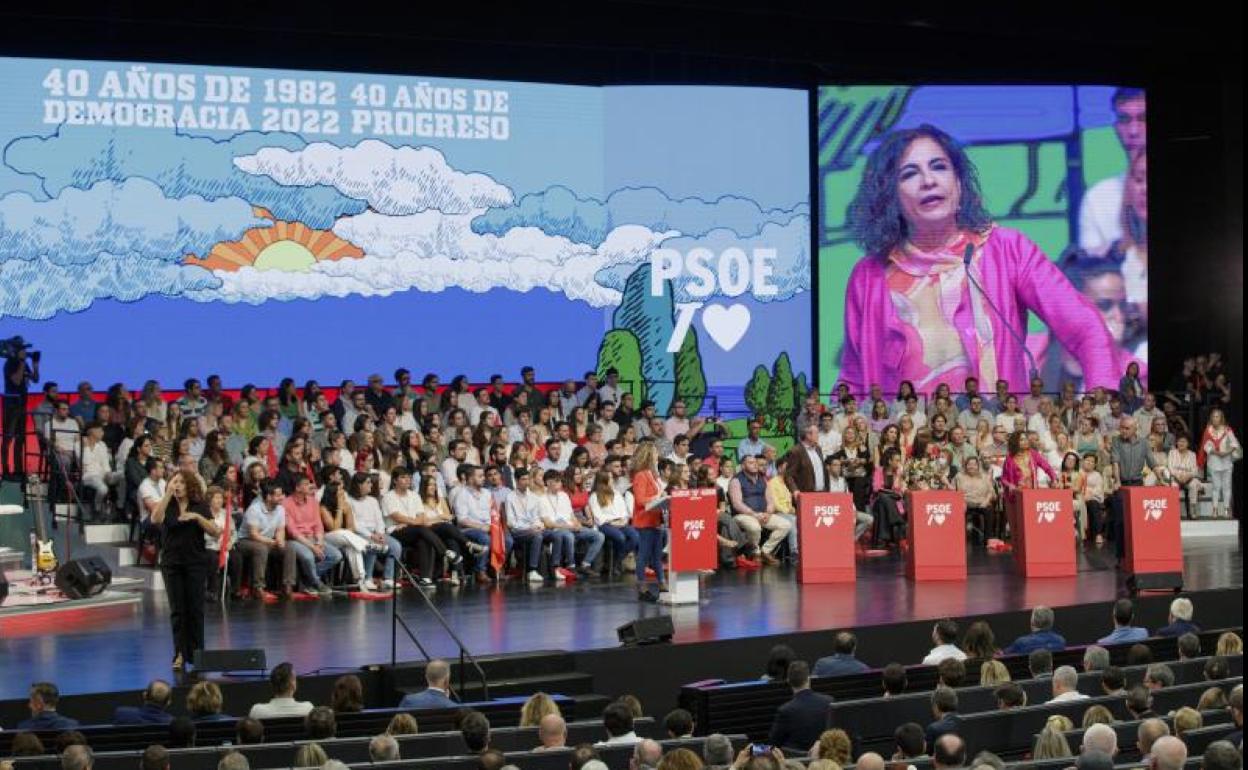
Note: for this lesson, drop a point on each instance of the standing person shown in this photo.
(1219, 450)
(1130, 456)
(649, 499)
(17, 378)
(184, 519)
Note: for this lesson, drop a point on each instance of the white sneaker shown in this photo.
(368, 585)
(559, 578)
(534, 577)
(387, 585)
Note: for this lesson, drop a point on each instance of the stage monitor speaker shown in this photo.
(229, 660)
(1155, 581)
(81, 578)
(646, 631)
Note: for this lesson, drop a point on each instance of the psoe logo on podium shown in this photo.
(1154, 507)
(937, 513)
(1047, 510)
(693, 529)
(825, 515)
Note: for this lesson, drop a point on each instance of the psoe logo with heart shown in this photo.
(825, 515)
(731, 273)
(1047, 510)
(693, 529)
(1154, 508)
(937, 513)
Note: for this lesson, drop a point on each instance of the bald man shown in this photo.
(646, 755)
(1130, 455)
(1168, 753)
(552, 731)
(870, 761)
(155, 708)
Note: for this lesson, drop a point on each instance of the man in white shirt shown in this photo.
(474, 513)
(829, 436)
(63, 434)
(283, 703)
(481, 409)
(945, 638)
(525, 524)
(1100, 211)
(555, 509)
(1039, 422)
(606, 418)
(915, 413)
(837, 483)
(845, 417)
(458, 451)
(1031, 403)
(555, 459)
(97, 469)
(610, 391)
(680, 450)
(1149, 411)
(679, 422)
(1066, 685)
(152, 488)
(970, 417)
(563, 432)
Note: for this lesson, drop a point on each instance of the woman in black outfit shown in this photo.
(184, 518)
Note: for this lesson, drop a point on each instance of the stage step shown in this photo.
(139, 578)
(99, 534)
(1214, 528)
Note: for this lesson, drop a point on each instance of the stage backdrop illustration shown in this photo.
(167, 221)
(1065, 165)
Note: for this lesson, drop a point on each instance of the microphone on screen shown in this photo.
(967, 255)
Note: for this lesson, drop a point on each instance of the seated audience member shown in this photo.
(26, 745)
(910, 740)
(249, 732)
(436, 694)
(617, 720)
(1236, 704)
(153, 711)
(155, 757)
(1065, 685)
(264, 538)
(678, 724)
(402, 724)
(1095, 658)
(979, 641)
(1124, 631)
(1189, 646)
(320, 724)
(1216, 668)
(945, 711)
(1222, 755)
(869, 761)
(951, 672)
(1179, 621)
(305, 534)
(842, 660)
(1167, 753)
(383, 748)
(1097, 715)
(77, 757)
(1139, 703)
(283, 682)
(1212, 699)
(834, 744)
(474, 728)
(1114, 681)
(717, 752)
(552, 732)
(894, 679)
(1042, 636)
(1010, 696)
(1139, 655)
(945, 641)
(1229, 643)
(1100, 737)
(310, 755)
(1158, 676)
(182, 733)
(67, 738)
(986, 760)
(801, 721)
(1094, 760)
(43, 715)
(949, 751)
(1040, 664)
(538, 705)
(647, 754)
(993, 672)
(1051, 743)
(204, 702)
(347, 696)
(1187, 719)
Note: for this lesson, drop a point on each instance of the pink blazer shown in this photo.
(1012, 475)
(1018, 278)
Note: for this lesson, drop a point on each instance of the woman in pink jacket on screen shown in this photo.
(910, 311)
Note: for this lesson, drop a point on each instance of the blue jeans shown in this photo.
(649, 553)
(391, 552)
(593, 540)
(623, 539)
(529, 541)
(482, 537)
(310, 567)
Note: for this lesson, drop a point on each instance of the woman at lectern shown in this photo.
(1022, 464)
(943, 293)
(184, 518)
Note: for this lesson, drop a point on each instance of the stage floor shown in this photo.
(123, 653)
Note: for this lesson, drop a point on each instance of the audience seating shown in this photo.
(1128, 732)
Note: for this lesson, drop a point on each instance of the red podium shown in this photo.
(825, 535)
(936, 522)
(693, 543)
(1043, 524)
(1154, 545)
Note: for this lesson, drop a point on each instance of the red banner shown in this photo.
(825, 534)
(694, 530)
(1151, 520)
(936, 522)
(1043, 525)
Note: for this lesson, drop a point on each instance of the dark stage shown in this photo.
(123, 653)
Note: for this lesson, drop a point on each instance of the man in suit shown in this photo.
(1180, 620)
(801, 721)
(945, 709)
(43, 716)
(842, 661)
(155, 708)
(804, 471)
(436, 694)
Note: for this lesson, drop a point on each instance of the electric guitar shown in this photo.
(44, 557)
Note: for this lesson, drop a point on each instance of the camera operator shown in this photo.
(18, 374)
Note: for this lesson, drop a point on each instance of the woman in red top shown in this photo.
(648, 501)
